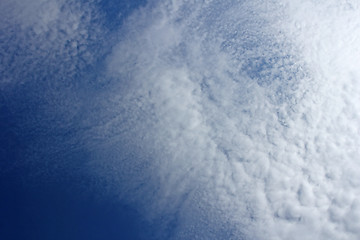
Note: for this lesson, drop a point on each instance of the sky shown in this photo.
(180, 119)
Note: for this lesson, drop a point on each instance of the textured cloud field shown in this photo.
(214, 119)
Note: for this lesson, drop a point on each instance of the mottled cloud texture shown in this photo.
(227, 119)
(48, 53)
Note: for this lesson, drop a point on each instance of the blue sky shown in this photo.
(58, 201)
(179, 119)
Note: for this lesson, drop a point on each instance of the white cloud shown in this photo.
(236, 119)
(249, 114)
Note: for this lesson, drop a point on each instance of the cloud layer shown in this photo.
(216, 120)
(250, 110)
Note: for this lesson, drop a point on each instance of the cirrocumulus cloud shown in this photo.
(216, 119)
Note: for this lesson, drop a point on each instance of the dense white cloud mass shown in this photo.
(221, 119)
(249, 113)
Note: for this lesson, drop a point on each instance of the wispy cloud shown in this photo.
(48, 55)
(47, 37)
